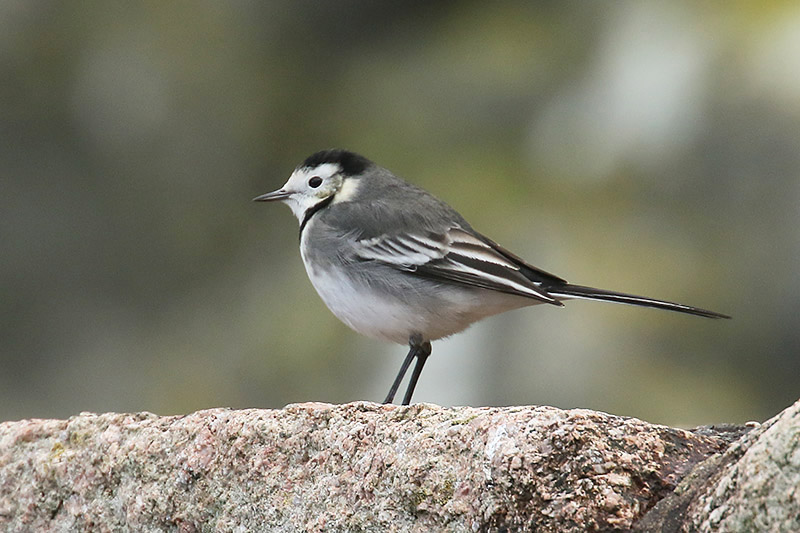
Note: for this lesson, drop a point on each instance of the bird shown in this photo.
(396, 263)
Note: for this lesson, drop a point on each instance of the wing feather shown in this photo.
(456, 256)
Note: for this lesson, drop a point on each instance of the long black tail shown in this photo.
(590, 293)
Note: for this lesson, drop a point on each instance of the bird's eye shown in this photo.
(314, 182)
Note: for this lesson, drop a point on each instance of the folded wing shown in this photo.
(458, 256)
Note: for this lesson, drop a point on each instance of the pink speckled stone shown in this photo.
(354, 467)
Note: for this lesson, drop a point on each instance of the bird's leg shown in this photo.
(423, 350)
(414, 344)
(412, 353)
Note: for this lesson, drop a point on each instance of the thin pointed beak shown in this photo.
(273, 196)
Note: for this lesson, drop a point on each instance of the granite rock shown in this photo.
(355, 467)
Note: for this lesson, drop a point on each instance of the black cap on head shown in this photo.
(350, 162)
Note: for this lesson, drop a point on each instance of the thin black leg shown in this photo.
(412, 353)
(420, 350)
(423, 351)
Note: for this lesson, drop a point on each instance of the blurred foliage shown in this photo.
(642, 146)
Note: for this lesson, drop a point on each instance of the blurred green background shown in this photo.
(648, 147)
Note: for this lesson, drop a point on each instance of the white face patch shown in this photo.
(304, 195)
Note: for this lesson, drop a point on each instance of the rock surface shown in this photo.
(369, 467)
(754, 486)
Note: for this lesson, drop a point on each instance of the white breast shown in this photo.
(364, 311)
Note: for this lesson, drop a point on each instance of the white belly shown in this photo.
(366, 312)
(390, 318)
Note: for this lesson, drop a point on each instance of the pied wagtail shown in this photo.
(395, 263)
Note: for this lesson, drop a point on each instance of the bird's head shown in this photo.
(323, 177)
